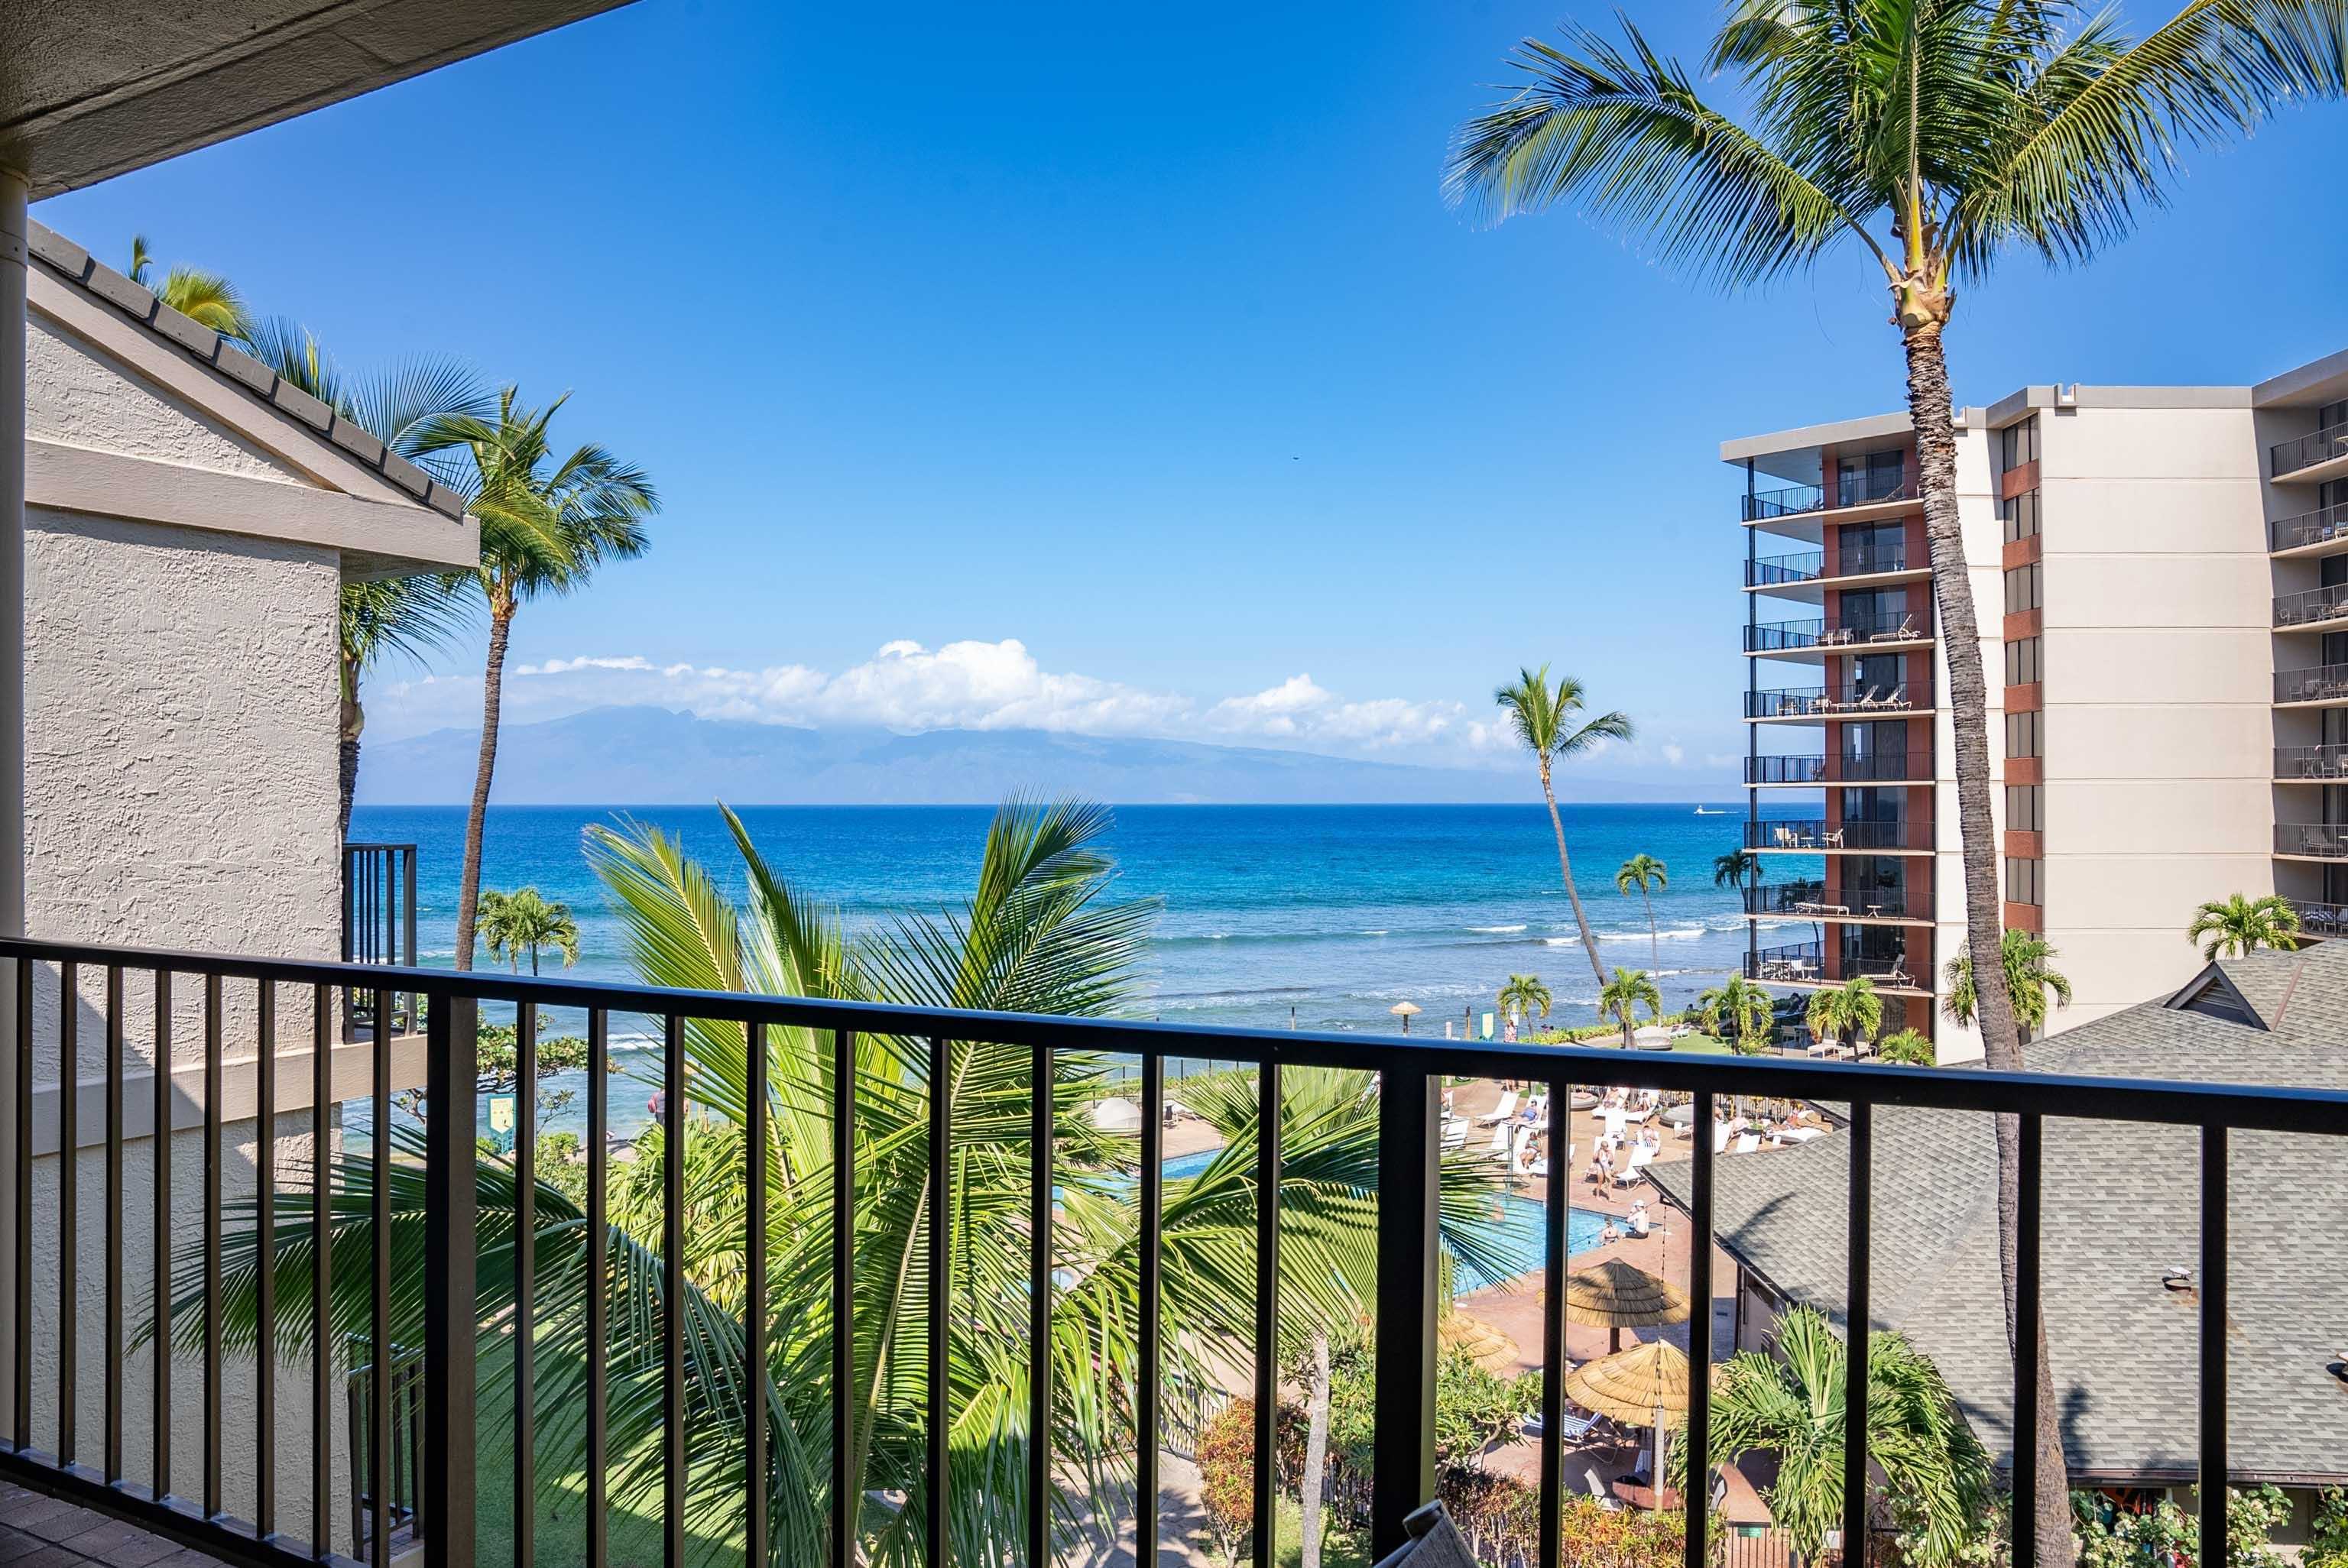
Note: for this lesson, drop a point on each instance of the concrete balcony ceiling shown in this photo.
(101, 87)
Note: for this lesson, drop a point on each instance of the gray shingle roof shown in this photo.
(2120, 1206)
(67, 260)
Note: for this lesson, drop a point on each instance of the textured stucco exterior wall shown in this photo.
(80, 396)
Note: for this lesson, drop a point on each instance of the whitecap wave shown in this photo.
(1497, 930)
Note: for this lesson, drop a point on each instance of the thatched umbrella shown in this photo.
(1403, 1010)
(1494, 1349)
(1645, 1386)
(1614, 1296)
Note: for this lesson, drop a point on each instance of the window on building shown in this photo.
(2025, 881)
(1875, 477)
(2024, 663)
(2018, 444)
(2025, 808)
(2023, 589)
(2025, 736)
(2020, 515)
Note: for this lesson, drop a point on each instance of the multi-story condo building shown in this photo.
(2160, 576)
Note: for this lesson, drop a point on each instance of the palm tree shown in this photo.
(383, 618)
(1736, 867)
(1739, 1010)
(1645, 873)
(2029, 978)
(1790, 1404)
(546, 525)
(1544, 720)
(2240, 926)
(511, 922)
(1622, 996)
(1852, 1008)
(1906, 1048)
(1037, 934)
(208, 298)
(1524, 995)
(1935, 138)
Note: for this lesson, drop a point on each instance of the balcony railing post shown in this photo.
(1409, 1140)
(451, 1099)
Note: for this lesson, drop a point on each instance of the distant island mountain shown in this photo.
(652, 756)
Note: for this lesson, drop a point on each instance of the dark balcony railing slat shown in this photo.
(382, 1384)
(755, 1133)
(2327, 841)
(672, 1317)
(68, 1203)
(2316, 684)
(938, 1413)
(21, 1356)
(1555, 1261)
(211, 1246)
(1266, 1314)
(1842, 701)
(449, 1483)
(2211, 1281)
(1857, 1326)
(2325, 762)
(1402, 1460)
(111, 1353)
(2030, 1135)
(846, 1487)
(1699, 1415)
(1811, 835)
(2321, 446)
(2320, 526)
(525, 1336)
(1148, 1387)
(265, 1259)
(599, 1279)
(159, 1385)
(1855, 632)
(1041, 1089)
(322, 1272)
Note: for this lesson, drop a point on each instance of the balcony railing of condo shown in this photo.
(2316, 604)
(461, 1286)
(2320, 526)
(1810, 566)
(1850, 700)
(2317, 683)
(1839, 631)
(1865, 767)
(1789, 502)
(1862, 489)
(2326, 841)
(1816, 900)
(1816, 835)
(2311, 761)
(2289, 456)
(2317, 919)
(378, 925)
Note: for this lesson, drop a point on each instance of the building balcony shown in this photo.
(1814, 835)
(1816, 900)
(2318, 606)
(1847, 700)
(2310, 764)
(1832, 634)
(2311, 458)
(1810, 566)
(1765, 507)
(1814, 964)
(2310, 841)
(2323, 531)
(2320, 919)
(1871, 767)
(2319, 685)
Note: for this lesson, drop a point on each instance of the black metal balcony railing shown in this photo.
(2291, 457)
(1790, 961)
(453, 1251)
(2320, 526)
(2317, 919)
(1810, 566)
(1862, 489)
(1815, 836)
(1790, 502)
(1867, 767)
(1772, 570)
(2325, 841)
(2317, 683)
(2312, 763)
(1816, 900)
(2315, 605)
(1848, 699)
(378, 925)
(1838, 631)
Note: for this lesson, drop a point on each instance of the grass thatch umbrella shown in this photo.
(1614, 1296)
(1645, 1386)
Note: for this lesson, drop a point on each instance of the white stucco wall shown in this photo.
(79, 395)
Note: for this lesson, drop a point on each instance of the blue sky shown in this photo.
(1139, 338)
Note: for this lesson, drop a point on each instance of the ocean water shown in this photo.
(1324, 917)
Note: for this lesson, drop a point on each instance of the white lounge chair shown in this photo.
(1635, 1168)
(1455, 1135)
(1498, 1147)
(1605, 1499)
(1500, 1112)
(1720, 1137)
(1748, 1142)
(1571, 1428)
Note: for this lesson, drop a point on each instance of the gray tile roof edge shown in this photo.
(76, 266)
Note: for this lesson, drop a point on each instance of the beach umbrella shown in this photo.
(1116, 1115)
(1614, 1296)
(1645, 1386)
(1403, 1010)
(1496, 1351)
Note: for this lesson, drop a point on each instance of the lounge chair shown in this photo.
(1455, 1135)
(1599, 1490)
(1748, 1142)
(1898, 698)
(1498, 1147)
(1571, 1428)
(1434, 1542)
(1500, 1112)
(1635, 1168)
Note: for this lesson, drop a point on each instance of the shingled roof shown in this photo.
(2120, 1206)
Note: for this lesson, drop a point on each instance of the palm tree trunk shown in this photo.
(469, 889)
(1565, 869)
(1654, 938)
(1968, 698)
(347, 783)
(1316, 1455)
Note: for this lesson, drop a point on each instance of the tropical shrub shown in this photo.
(2327, 1536)
(2113, 1537)
(1906, 1047)
(1226, 1462)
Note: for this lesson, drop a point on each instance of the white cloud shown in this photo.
(908, 687)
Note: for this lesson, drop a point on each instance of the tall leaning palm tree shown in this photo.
(1547, 721)
(1928, 139)
(2238, 925)
(383, 619)
(1645, 873)
(545, 525)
